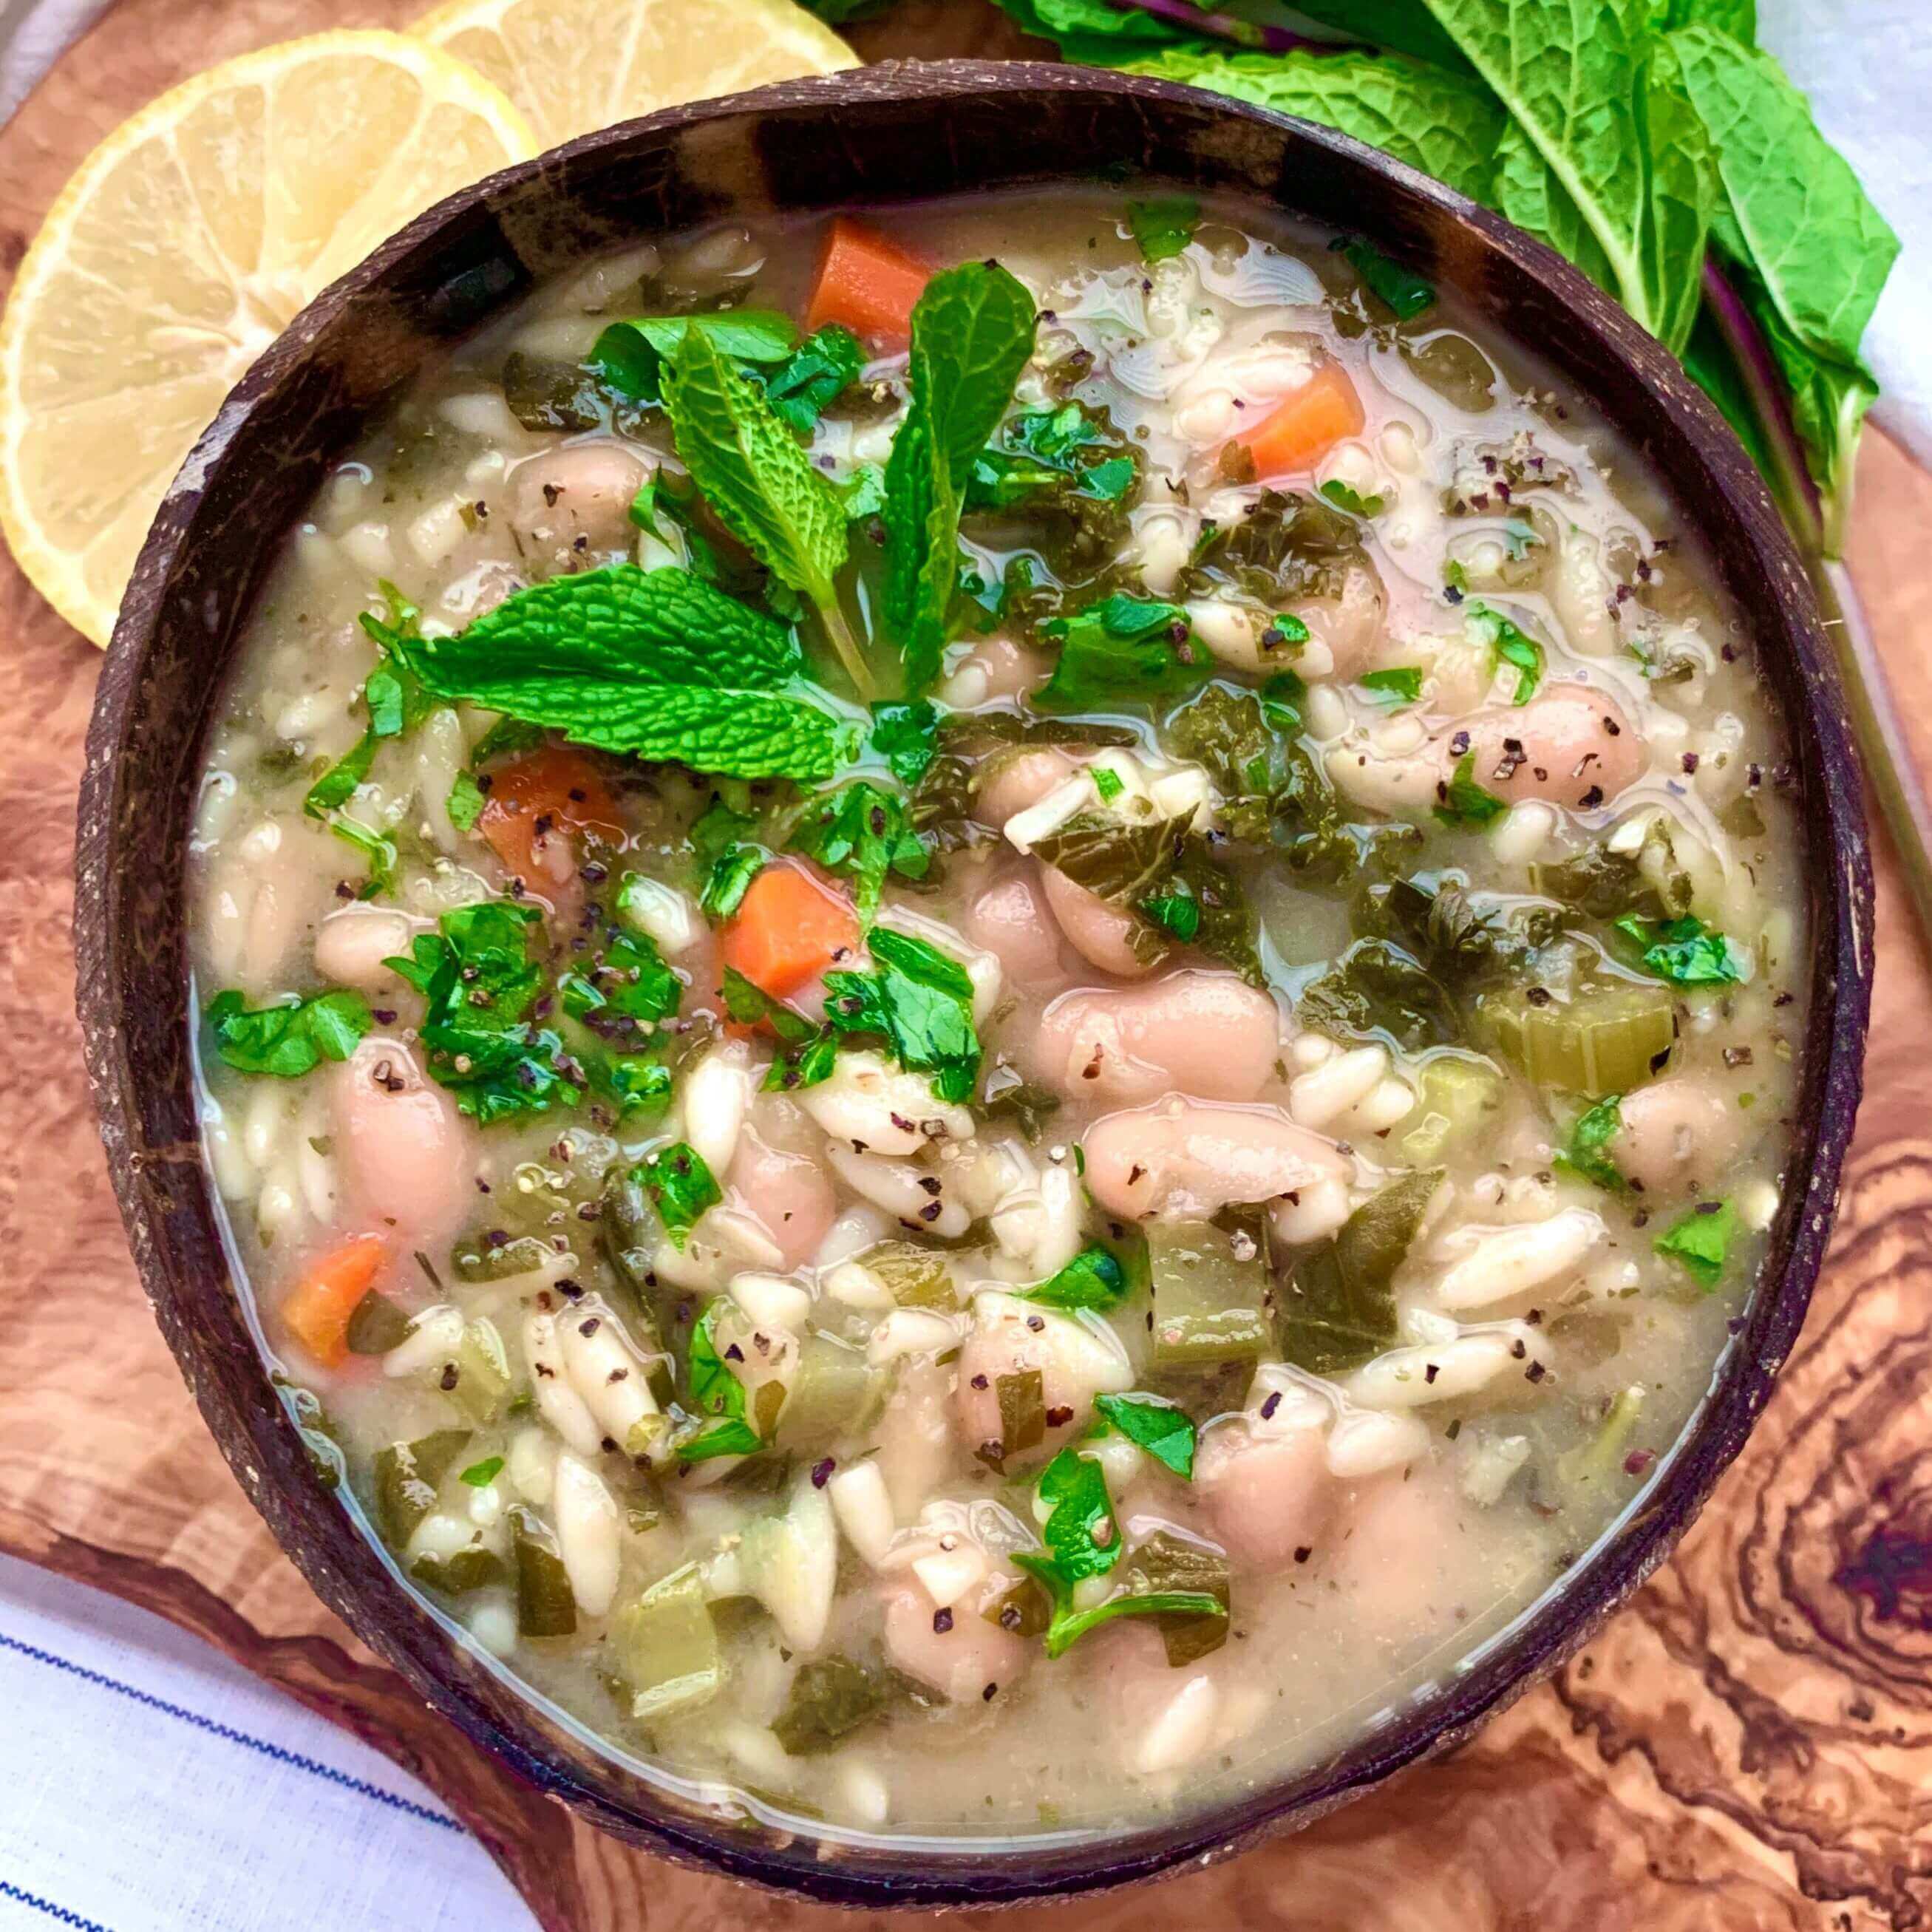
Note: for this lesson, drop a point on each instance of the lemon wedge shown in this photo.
(572, 66)
(185, 243)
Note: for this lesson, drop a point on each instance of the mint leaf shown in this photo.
(1446, 124)
(629, 357)
(866, 833)
(972, 332)
(1465, 802)
(681, 1187)
(1163, 1429)
(921, 1001)
(654, 662)
(480, 988)
(1402, 685)
(715, 1392)
(1594, 1130)
(743, 456)
(290, 1039)
(1702, 1240)
(813, 377)
(1605, 157)
(1093, 1279)
(1163, 225)
(1339, 494)
(1794, 210)
(1686, 951)
(1507, 645)
(1123, 650)
(906, 737)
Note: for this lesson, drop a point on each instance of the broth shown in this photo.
(1034, 1259)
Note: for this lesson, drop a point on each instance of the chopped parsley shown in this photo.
(290, 1039)
(1400, 684)
(1686, 952)
(1163, 1429)
(1508, 646)
(1093, 1279)
(1701, 1241)
(1163, 225)
(1344, 498)
(481, 992)
(866, 833)
(481, 1475)
(715, 1392)
(1465, 802)
(681, 1187)
(906, 737)
(1585, 1153)
(921, 1001)
(1122, 649)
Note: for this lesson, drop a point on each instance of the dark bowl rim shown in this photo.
(347, 1574)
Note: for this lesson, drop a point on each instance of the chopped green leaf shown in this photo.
(377, 848)
(654, 662)
(1176, 913)
(863, 493)
(627, 982)
(1594, 1130)
(1093, 1279)
(1465, 802)
(1339, 494)
(290, 1039)
(863, 832)
(504, 739)
(1163, 225)
(727, 858)
(1081, 1533)
(479, 986)
(481, 1475)
(1399, 685)
(906, 737)
(972, 332)
(682, 1187)
(1508, 646)
(1687, 952)
(1107, 784)
(1163, 1428)
(1121, 651)
(1405, 293)
(921, 1001)
(1702, 1240)
(465, 803)
(1339, 1309)
(730, 878)
(814, 376)
(717, 1392)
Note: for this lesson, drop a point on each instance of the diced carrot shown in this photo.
(788, 929)
(318, 1309)
(555, 790)
(1301, 429)
(867, 283)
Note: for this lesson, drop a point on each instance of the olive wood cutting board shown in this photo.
(1747, 1746)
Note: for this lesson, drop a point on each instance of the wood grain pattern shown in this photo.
(1748, 1746)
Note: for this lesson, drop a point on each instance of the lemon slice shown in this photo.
(186, 242)
(575, 65)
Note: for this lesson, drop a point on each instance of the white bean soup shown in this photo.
(998, 1003)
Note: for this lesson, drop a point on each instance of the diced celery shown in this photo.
(481, 1389)
(1166, 1564)
(407, 1476)
(1209, 1289)
(469, 1569)
(1459, 1099)
(666, 1646)
(831, 1698)
(917, 1277)
(1610, 1040)
(1022, 1400)
(1602, 1457)
(546, 1604)
(474, 1258)
(376, 1325)
(835, 1392)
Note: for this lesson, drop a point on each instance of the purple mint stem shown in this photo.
(1244, 33)
(1760, 371)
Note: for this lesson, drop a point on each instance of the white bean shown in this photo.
(590, 1534)
(907, 1193)
(1499, 1265)
(1413, 1377)
(869, 1100)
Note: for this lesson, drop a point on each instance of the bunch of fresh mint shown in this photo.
(1650, 141)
